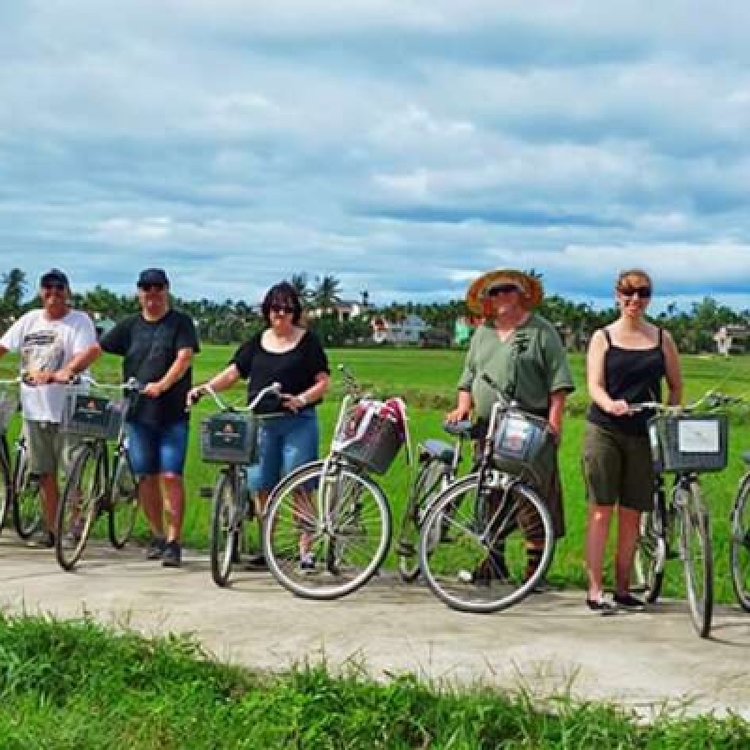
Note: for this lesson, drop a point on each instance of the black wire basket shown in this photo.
(368, 438)
(91, 416)
(689, 443)
(229, 438)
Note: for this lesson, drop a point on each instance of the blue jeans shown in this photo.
(157, 449)
(284, 443)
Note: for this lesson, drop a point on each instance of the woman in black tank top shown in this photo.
(626, 363)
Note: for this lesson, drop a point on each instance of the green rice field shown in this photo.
(426, 379)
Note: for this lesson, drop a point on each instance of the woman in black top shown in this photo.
(289, 354)
(626, 363)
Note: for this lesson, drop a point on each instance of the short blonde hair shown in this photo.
(632, 273)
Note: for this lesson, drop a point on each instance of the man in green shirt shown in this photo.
(519, 353)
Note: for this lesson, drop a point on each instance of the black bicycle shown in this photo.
(19, 491)
(685, 444)
(98, 483)
(230, 438)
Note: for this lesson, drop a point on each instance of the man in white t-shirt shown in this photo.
(55, 344)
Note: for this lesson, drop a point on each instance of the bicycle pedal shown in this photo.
(406, 549)
(206, 492)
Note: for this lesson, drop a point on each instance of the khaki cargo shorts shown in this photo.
(50, 450)
(618, 468)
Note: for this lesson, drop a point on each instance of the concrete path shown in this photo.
(549, 644)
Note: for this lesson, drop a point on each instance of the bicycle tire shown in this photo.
(697, 557)
(79, 506)
(123, 502)
(6, 483)
(225, 529)
(430, 481)
(481, 561)
(651, 553)
(27, 501)
(739, 550)
(348, 547)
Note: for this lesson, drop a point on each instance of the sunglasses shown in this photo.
(282, 309)
(642, 292)
(152, 287)
(54, 287)
(502, 289)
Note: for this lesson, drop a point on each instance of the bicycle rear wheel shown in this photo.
(430, 481)
(485, 550)
(326, 533)
(80, 506)
(27, 502)
(226, 528)
(123, 503)
(739, 551)
(696, 555)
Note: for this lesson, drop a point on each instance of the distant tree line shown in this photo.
(234, 320)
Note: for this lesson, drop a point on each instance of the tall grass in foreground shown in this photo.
(79, 685)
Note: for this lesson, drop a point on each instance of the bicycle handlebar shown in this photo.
(131, 384)
(712, 398)
(262, 393)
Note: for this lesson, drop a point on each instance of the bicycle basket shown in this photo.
(686, 443)
(92, 416)
(230, 438)
(523, 446)
(8, 407)
(369, 437)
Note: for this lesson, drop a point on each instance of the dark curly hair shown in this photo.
(282, 294)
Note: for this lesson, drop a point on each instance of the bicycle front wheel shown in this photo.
(27, 502)
(326, 533)
(483, 550)
(79, 506)
(739, 551)
(226, 528)
(6, 483)
(427, 486)
(695, 539)
(123, 503)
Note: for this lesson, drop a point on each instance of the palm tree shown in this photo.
(326, 293)
(299, 282)
(15, 287)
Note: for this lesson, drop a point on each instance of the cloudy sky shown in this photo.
(401, 146)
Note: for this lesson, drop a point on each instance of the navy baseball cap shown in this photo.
(54, 276)
(153, 276)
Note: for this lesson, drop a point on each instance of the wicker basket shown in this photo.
(92, 416)
(229, 438)
(689, 443)
(524, 446)
(369, 439)
(8, 407)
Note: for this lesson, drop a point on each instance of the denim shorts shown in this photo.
(157, 449)
(284, 443)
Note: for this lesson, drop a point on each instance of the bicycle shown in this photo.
(327, 527)
(487, 540)
(98, 483)
(684, 444)
(20, 491)
(739, 550)
(438, 463)
(230, 438)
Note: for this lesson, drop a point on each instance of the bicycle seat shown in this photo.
(746, 457)
(462, 428)
(439, 449)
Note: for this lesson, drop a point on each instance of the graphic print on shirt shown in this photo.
(42, 350)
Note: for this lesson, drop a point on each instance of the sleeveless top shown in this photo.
(633, 375)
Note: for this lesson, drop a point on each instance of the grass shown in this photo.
(79, 685)
(426, 378)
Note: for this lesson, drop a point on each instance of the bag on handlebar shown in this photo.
(687, 442)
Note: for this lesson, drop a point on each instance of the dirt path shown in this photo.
(549, 644)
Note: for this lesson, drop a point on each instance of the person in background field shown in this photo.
(626, 362)
(288, 354)
(157, 346)
(519, 352)
(56, 344)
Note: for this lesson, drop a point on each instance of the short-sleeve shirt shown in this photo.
(295, 369)
(530, 365)
(149, 349)
(47, 345)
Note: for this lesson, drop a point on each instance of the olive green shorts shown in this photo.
(49, 448)
(618, 468)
